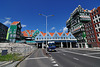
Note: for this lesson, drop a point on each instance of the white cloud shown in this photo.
(60, 30)
(7, 22)
(23, 25)
(52, 28)
(65, 29)
(7, 18)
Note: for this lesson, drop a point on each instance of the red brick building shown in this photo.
(90, 35)
(93, 28)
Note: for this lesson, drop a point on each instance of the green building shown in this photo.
(14, 32)
(75, 25)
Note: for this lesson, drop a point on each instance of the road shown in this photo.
(63, 58)
(37, 59)
(77, 58)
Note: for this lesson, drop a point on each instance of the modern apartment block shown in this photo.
(75, 24)
(95, 19)
(14, 32)
(3, 32)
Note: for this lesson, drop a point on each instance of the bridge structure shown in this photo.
(61, 40)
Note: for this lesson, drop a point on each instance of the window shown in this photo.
(96, 20)
(10, 35)
(98, 25)
(14, 35)
(19, 26)
(99, 40)
(99, 19)
(98, 35)
(63, 34)
(96, 30)
(14, 31)
(94, 12)
(13, 40)
(98, 15)
(47, 34)
(95, 26)
(97, 11)
(10, 39)
(95, 16)
(99, 29)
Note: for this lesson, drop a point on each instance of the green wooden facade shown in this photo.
(14, 32)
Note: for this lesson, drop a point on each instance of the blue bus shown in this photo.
(51, 46)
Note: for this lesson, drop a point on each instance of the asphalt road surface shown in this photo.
(38, 59)
(63, 58)
(77, 58)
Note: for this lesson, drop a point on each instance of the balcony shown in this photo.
(85, 18)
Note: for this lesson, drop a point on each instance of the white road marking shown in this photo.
(64, 54)
(82, 54)
(54, 62)
(52, 59)
(75, 58)
(56, 65)
(36, 58)
(93, 53)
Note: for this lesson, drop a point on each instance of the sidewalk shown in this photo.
(11, 63)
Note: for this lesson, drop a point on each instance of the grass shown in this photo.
(11, 57)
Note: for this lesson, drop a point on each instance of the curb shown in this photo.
(46, 54)
(6, 63)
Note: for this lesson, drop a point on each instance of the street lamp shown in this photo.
(46, 27)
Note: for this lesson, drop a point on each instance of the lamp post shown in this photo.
(46, 27)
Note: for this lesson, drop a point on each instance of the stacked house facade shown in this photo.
(3, 32)
(14, 32)
(75, 24)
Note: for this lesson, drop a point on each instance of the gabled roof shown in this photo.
(28, 33)
(44, 34)
(60, 34)
(25, 34)
(67, 34)
(15, 22)
(51, 34)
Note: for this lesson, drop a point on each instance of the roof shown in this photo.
(51, 34)
(15, 22)
(44, 34)
(25, 34)
(28, 33)
(60, 34)
(67, 34)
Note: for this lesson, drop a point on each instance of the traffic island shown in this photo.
(46, 54)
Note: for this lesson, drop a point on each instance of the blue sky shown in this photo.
(26, 11)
